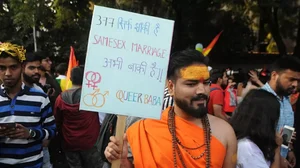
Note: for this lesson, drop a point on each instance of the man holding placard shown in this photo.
(186, 136)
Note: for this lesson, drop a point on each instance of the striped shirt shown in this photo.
(32, 109)
(286, 113)
(168, 99)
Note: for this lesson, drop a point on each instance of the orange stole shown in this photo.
(151, 144)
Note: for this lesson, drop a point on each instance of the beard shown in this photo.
(188, 108)
(280, 91)
(31, 79)
(11, 83)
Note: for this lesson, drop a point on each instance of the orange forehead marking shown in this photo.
(195, 72)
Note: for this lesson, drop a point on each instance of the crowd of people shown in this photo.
(209, 118)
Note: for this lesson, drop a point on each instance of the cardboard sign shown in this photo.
(126, 63)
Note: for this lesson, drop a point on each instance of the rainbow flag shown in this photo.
(66, 83)
(211, 45)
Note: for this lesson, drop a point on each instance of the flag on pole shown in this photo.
(211, 45)
(66, 84)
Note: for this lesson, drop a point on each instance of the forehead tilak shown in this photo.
(195, 72)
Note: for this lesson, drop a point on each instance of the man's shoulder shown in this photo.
(221, 129)
(216, 90)
(36, 92)
(31, 94)
(267, 88)
(216, 87)
(35, 86)
(216, 121)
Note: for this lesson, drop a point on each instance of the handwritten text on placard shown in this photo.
(126, 63)
(129, 24)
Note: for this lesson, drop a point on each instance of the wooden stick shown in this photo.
(121, 123)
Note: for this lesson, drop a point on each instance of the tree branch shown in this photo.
(297, 47)
(274, 27)
(270, 13)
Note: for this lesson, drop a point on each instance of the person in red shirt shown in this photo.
(219, 79)
(79, 129)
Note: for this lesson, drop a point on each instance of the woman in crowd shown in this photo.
(254, 123)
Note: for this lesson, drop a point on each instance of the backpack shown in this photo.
(107, 130)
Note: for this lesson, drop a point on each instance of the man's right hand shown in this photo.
(113, 150)
(253, 76)
(284, 163)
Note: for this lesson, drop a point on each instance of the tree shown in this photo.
(65, 23)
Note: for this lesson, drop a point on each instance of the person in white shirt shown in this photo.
(61, 71)
(254, 123)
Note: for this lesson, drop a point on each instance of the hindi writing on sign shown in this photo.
(126, 63)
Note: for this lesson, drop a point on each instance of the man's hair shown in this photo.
(215, 74)
(285, 63)
(31, 57)
(256, 118)
(77, 75)
(183, 59)
(42, 54)
(61, 68)
(5, 55)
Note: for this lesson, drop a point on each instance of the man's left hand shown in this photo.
(292, 158)
(46, 143)
(293, 136)
(20, 132)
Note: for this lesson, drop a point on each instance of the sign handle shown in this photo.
(121, 123)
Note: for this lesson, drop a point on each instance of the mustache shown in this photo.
(293, 87)
(199, 97)
(36, 75)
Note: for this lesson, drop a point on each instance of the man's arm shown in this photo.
(58, 114)
(231, 149)
(277, 158)
(218, 111)
(56, 87)
(254, 78)
(48, 129)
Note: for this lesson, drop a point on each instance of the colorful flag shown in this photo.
(66, 84)
(211, 45)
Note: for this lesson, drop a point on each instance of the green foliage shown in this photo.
(65, 23)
